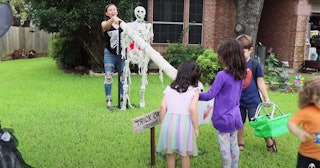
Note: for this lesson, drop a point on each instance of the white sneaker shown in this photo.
(142, 103)
(109, 102)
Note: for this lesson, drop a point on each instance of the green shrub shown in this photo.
(177, 53)
(67, 52)
(272, 68)
(209, 65)
(275, 72)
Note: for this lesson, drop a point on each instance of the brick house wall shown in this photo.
(209, 24)
(219, 21)
(283, 30)
(280, 27)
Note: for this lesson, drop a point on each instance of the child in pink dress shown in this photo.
(179, 116)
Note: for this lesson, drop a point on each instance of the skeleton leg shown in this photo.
(126, 75)
(144, 81)
(142, 90)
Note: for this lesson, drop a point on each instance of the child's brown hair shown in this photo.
(245, 41)
(230, 54)
(310, 90)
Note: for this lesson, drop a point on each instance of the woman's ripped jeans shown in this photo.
(111, 62)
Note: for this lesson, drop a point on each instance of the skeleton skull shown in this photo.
(140, 13)
(311, 165)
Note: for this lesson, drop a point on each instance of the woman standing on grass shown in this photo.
(179, 116)
(112, 50)
(226, 89)
(305, 124)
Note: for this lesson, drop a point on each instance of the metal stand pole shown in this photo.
(152, 146)
(119, 68)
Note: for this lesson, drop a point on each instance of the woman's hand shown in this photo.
(116, 20)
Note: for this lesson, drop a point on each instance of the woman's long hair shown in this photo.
(232, 58)
(188, 75)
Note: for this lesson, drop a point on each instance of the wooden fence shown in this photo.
(23, 38)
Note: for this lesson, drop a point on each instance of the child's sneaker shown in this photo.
(109, 102)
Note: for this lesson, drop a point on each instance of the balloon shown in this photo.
(6, 18)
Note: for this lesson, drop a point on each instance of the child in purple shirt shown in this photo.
(226, 91)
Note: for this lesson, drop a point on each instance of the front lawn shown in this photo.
(61, 121)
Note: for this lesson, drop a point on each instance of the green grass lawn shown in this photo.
(61, 121)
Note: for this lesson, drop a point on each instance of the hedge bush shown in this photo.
(177, 53)
(67, 53)
(209, 65)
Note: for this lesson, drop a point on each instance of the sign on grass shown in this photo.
(152, 119)
(146, 121)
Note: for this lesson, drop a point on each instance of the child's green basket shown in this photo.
(270, 124)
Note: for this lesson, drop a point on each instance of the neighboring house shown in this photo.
(283, 25)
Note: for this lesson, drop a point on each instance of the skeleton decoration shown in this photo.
(135, 55)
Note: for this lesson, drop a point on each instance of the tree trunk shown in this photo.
(248, 13)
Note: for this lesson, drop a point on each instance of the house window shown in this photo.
(168, 21)
(195, 21)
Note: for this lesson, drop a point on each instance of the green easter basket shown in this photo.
(273, 123)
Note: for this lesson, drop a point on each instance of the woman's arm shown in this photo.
(106, 24)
